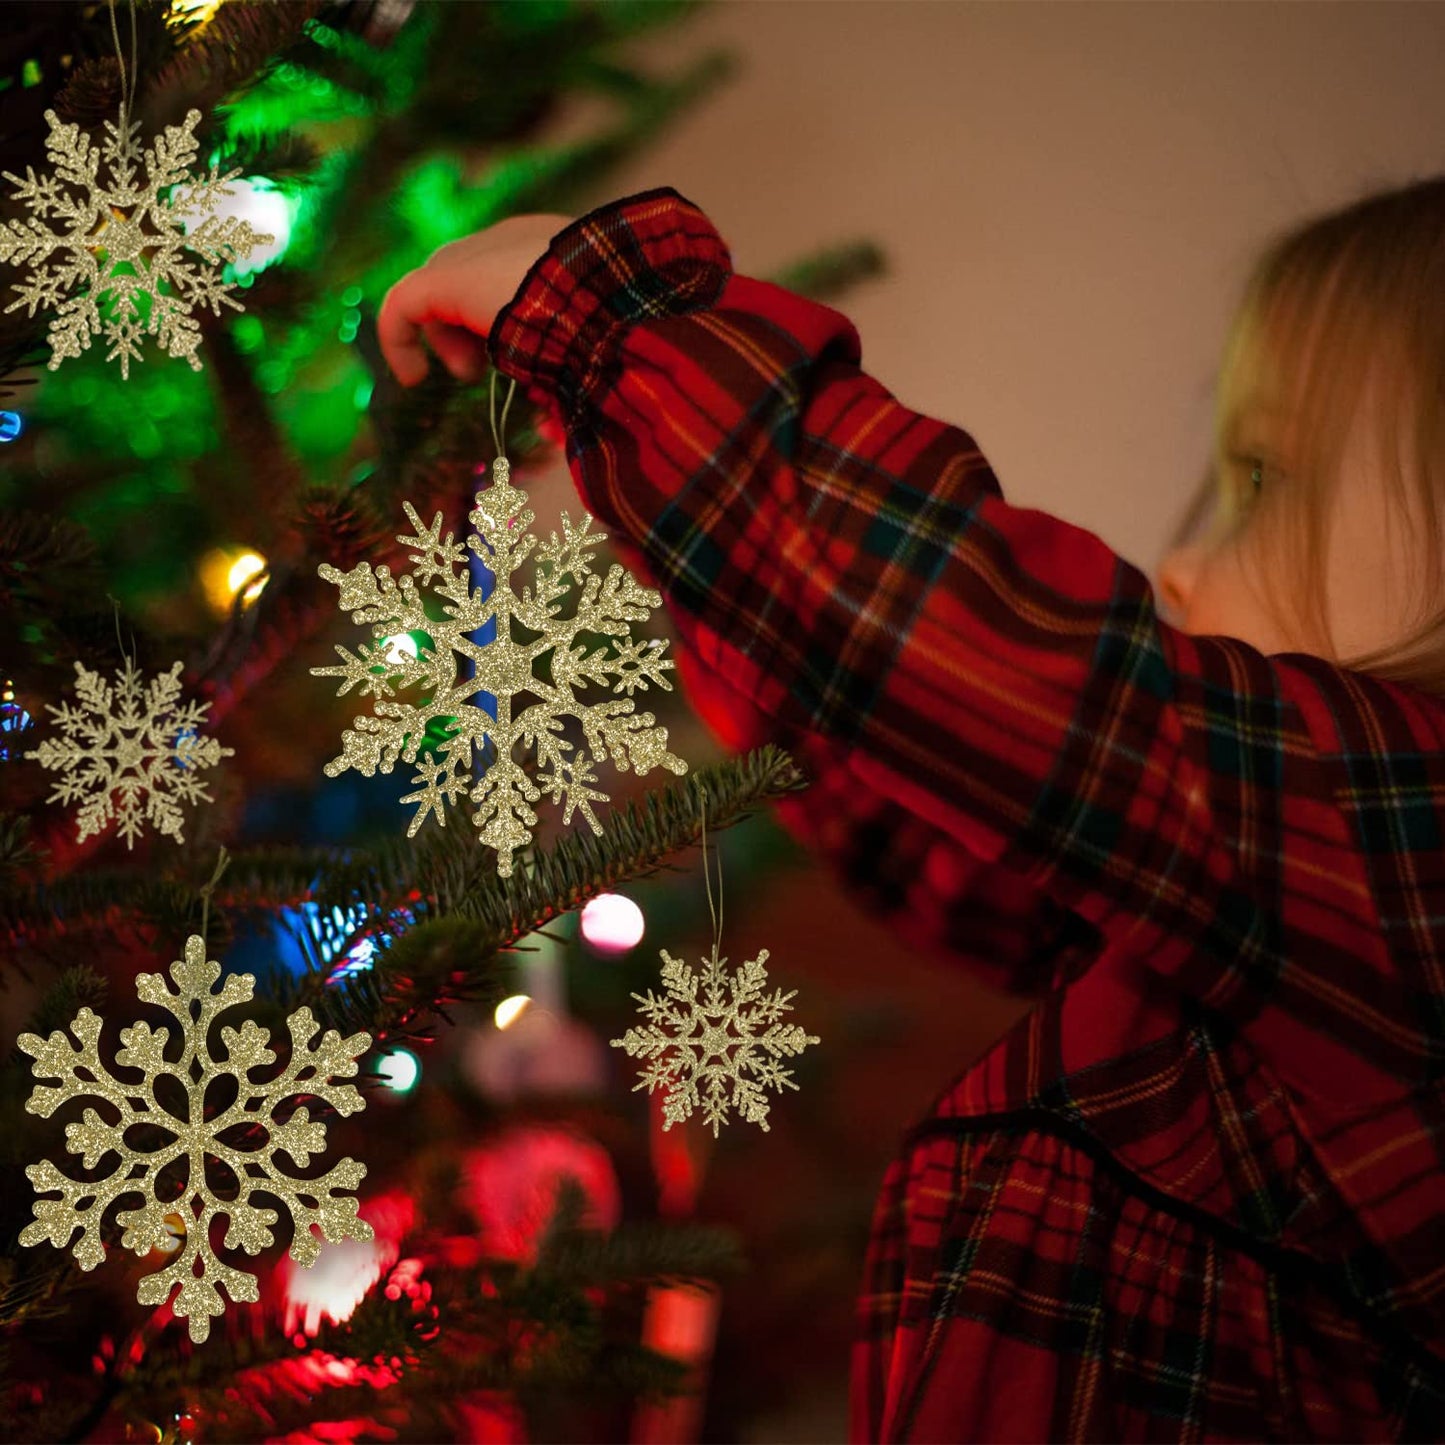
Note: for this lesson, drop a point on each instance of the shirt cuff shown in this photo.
(647, 255)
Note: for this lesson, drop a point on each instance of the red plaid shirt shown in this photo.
(1197, 1194)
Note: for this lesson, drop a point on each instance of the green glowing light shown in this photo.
(249, 333)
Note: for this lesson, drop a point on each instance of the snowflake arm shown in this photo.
(691, 1054)
(195, 1003)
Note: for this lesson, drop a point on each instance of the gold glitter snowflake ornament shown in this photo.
(122, 241)
(126, 744)
(82, 1204)
(456, 668)
(725, 1047)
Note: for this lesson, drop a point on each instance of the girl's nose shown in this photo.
(1178, 573)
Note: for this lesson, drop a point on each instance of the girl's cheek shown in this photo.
(1230, 601)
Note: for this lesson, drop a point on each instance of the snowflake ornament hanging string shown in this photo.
(719, 1051)
(195, 1002)
(122, 240)
(454, 668)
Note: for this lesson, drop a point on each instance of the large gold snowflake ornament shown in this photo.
(82, 1204)
(456, 669)
(129, 754)
(108, 255)
(724, 1047)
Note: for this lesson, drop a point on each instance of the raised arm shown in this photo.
(913, 878)
(851, 568)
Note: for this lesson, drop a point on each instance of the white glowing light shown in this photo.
(175, 1234)
(225, 572)
(510, 1009)
(269, 211)
(199, 11)
(334, 1286)
(242, 570)
(400, 647)
(612, 923)
(400, 1069)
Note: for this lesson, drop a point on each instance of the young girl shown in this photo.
(1199, 1192)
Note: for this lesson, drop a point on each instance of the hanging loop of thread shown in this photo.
(707, 881)
(210, 888)
(120, 641)
(127, 77)
(506, 407)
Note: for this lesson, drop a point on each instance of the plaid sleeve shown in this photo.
(1242, 823)
(930, 891)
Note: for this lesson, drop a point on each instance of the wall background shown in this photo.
(1069, 196)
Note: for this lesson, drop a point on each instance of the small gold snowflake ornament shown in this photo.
(725, 1047)
(129, 743)
(122, 241)
(181, 1226)
(456, 668)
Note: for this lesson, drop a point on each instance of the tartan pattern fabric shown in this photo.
(1197, 1193)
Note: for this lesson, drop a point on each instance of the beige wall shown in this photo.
(1068, 195)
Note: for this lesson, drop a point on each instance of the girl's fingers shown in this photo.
(399, 328)
(462, 352)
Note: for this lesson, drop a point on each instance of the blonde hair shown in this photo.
(1344, 312)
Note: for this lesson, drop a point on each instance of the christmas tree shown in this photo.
(163, 535)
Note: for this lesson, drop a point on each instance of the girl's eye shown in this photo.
(1254, 469)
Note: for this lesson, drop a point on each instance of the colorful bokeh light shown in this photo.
(400, 1069)
(228, 571)
(510, 1010)
(612, 923)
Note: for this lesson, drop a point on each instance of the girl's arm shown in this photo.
(1245, 824)
(910, 876)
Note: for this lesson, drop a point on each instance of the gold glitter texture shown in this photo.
(195, 1004)
(122, 241)
(506, 668)
(132, 754)
(727, 1038)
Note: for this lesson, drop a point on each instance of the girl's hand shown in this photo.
(453, 300)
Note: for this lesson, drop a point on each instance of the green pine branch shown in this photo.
(44, 559)
(238, 45)
(475, 916)
(457, 952)
(833, 270)
(471, 916)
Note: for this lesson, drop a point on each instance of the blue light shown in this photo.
(357, 960)
(343, 940)
(330, 932)
(13, 719)
(485, 581)
(305, 933)
(11, 425)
